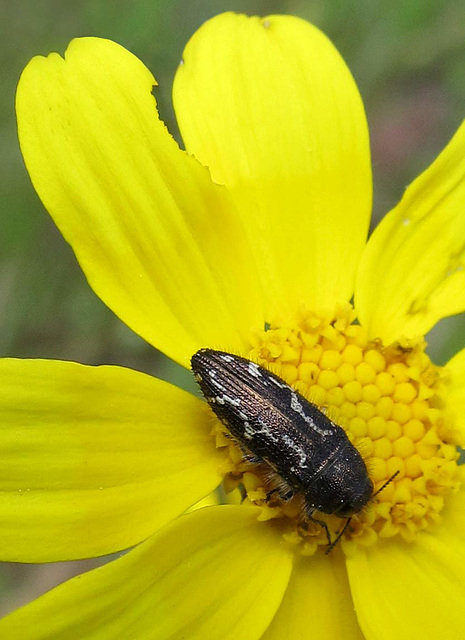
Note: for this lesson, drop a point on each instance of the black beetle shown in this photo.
(272, 421)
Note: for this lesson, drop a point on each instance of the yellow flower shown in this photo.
(254, 241)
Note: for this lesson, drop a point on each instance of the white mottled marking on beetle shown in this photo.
(254, 370)
(297, 448)
(249, 431)
(226, 358)
(216, 385)
(235, 402)
(265, 431)
(298, 408)
(225, 399)
(281, 385)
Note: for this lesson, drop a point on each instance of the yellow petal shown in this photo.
(455, 377)
(406, 591)
(159, 243)
(317, 603)
(95, 459)
(270, 106)
(215, 574)
(412, 273)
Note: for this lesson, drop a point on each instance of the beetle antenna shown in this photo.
(388, 481)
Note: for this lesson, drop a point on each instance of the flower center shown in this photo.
(387, 399)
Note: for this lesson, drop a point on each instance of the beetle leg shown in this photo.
(283, 490)
(338, 537)
(322, 524)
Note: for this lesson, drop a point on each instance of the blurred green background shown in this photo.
(408, 59)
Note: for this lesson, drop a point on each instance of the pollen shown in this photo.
(389, 400)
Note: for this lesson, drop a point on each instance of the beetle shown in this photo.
(275, 425)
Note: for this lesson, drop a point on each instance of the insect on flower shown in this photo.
(211, 246)
(276, 426)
